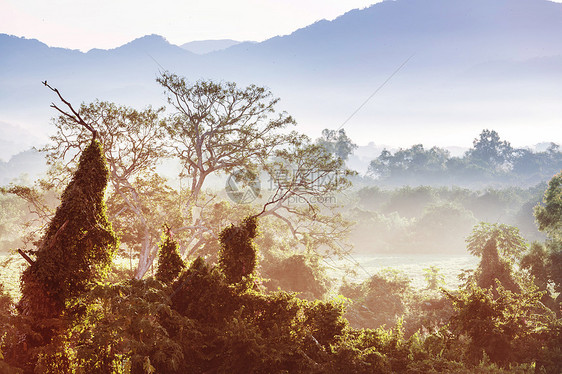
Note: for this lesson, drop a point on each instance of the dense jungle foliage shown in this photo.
(242, 288)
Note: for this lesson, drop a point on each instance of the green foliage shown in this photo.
(489, 151)
(205, 322)
(123, 330)
(493, 269)
(433, 277)
(411, 202)
(6, 325)
(297, 273)
(549, 215)
(237, 256)
(536, 261)
(441, 228)
(510, 244)
(200, 291)
(555, 267)
(437, 219)
(207, 318)
(337, 143)
(230, 329)
(507, 327)
(170, 263)
(378, 301)
(78, 246)
(490, 160)
(76, 251)
(405, 164)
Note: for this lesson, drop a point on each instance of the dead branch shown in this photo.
(75, 116)
(26, 257)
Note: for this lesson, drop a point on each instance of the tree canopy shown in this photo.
(489, 160)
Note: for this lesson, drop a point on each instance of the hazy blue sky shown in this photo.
(86, 24)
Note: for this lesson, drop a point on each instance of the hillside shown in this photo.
(474, 65)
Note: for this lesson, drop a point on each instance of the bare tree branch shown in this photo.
(26, 257)
(76, 117)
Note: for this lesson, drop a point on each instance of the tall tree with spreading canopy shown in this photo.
(219, 128)
(489, 151)
(216, 128)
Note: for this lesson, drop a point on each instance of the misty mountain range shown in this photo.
(202, 47)
(471, 64)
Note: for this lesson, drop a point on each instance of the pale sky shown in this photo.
(105, 24)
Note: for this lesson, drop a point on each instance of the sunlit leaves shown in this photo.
(549, 215)
(509, 241)
(170, 263)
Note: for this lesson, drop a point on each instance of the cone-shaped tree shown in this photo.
(237, 256)
(77, 248)
(493, 267)
(170, 263)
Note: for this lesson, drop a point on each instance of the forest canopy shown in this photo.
(489, 160)
(242, 287)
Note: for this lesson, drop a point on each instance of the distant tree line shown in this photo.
(490, 160)
(437, 219)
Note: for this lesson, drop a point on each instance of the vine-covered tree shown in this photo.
(134, 144)
(238, 254)
(170, 263)
(499, 247)
(76, 250)
(492, 269)
(78, 244)
(504, 325)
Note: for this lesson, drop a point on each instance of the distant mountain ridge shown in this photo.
(474, 64)
(202, 47)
